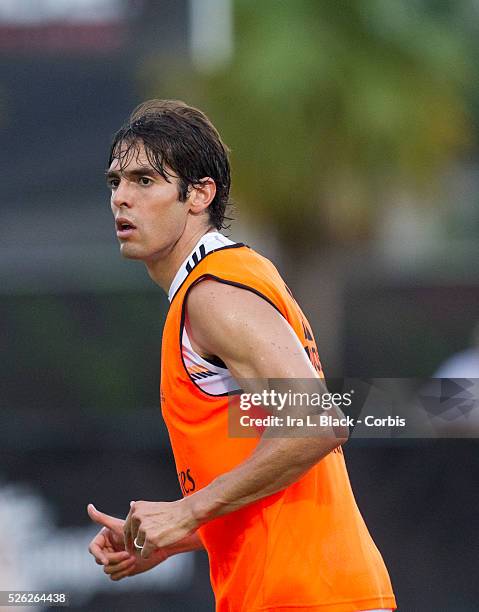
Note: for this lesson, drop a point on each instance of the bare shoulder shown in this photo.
(225, 320)
(245, 331)
(212, 302)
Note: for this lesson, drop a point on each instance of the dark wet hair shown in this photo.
(178, 139)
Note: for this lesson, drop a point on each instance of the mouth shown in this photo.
(124, 227)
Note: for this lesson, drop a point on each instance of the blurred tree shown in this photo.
(330, 106)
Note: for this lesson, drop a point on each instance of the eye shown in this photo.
(145, 180)
(113, 183)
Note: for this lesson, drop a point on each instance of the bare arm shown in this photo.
(255, 342)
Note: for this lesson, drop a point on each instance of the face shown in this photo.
(149, 217)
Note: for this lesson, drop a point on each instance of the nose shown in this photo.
(121, 196)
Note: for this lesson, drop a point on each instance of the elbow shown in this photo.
(342, 440)
(328, 442)
(341, 436)
(340, 428)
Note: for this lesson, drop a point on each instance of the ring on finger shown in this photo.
(138, 546)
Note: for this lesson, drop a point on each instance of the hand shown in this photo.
(156, 525)
(109, 539)
(108, 548)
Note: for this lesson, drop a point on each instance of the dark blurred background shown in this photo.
(353, 128)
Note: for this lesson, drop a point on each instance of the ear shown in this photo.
(201, 195)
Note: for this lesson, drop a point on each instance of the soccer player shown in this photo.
(275, 513)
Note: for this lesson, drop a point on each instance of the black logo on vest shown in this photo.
(196, 257)
(187, 482)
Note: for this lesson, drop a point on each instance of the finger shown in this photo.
(101, 560)
(117, 557)
(120, 575)
(119, 567)
(127, 534)
(148, 548)
(95, 549)
(136, 533)
(139, 541)
(105, 520)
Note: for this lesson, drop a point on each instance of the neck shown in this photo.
(162, 270)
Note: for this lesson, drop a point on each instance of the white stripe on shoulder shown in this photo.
(210, 378)
(207, 243)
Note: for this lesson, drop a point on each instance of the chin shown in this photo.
(129, 253)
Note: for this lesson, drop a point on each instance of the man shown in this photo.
(275, 512)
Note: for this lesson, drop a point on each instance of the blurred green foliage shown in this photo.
(330, 106)
(82, 351)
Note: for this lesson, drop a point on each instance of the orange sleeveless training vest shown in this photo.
(306, 546)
